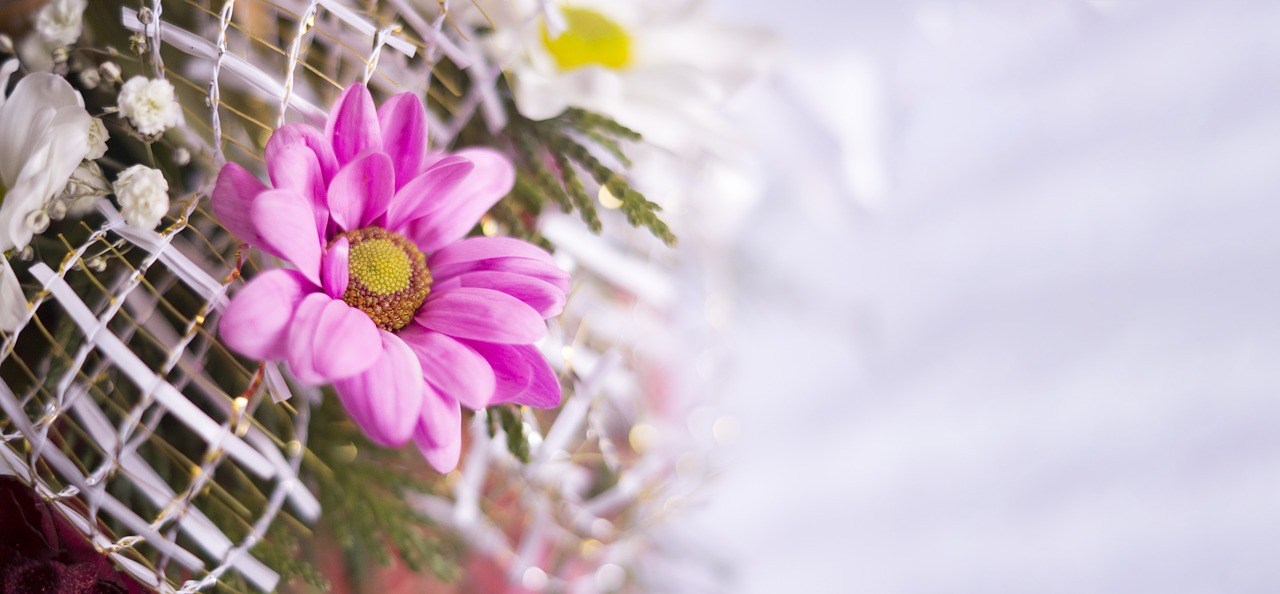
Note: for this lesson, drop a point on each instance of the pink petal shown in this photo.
(353, 126)
(285, 222)
(302, 334)
(256, 322)
(386, 401)
(542, 296)
(481, 314)
(304, 135)
(438, 433)
(522, 373)
(451, 367)
(484, 248)
(459, 211)
(233, 195)
(346, 341)
(543, 271)
(337, 271)
(421, 195)
(295, 167)
(544, 386)
(446, 284)
(403, 122)
(441, 419)
(445, 458)
(330, 340)
(361, 191)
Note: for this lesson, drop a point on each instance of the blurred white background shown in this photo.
(1008, 313)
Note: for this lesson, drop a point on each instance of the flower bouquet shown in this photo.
(326, 295)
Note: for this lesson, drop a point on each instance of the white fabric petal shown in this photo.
(6, 70)
(13, 304)
(44, 135)
(539, 96)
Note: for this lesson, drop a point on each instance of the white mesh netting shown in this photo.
(130, 414)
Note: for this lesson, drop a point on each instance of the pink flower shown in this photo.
(386, 300)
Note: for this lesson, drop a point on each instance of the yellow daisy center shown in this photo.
(380, 265)
(589, 38)
(389, 279)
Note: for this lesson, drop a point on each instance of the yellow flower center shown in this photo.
(389, 279)
(589, 38)
(380, 265)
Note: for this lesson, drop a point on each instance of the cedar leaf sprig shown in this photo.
(554, 158)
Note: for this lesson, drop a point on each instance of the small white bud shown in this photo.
(149, 105)
(57, 210)
(90, 78)
(144, 196)
(110, 71)
(144, 16)
(138, 43)
(6, 44)
(181, 156)
(37, 221)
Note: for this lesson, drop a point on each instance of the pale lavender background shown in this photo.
(1009, 312)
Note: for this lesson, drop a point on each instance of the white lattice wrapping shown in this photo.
(126, 381)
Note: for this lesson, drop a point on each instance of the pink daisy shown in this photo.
(386, 300)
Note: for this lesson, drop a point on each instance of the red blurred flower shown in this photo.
(40, 552)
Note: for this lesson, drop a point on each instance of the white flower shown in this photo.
(44, 133)
(36, 55)
(60, 22)
(85, 187)
(149, 105)
(98, 136)
(656, 66)
(144, 196)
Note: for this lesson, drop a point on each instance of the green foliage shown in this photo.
(280, 550)
(509, 420)
(361, 487)
(284, 555)
(551, 156)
